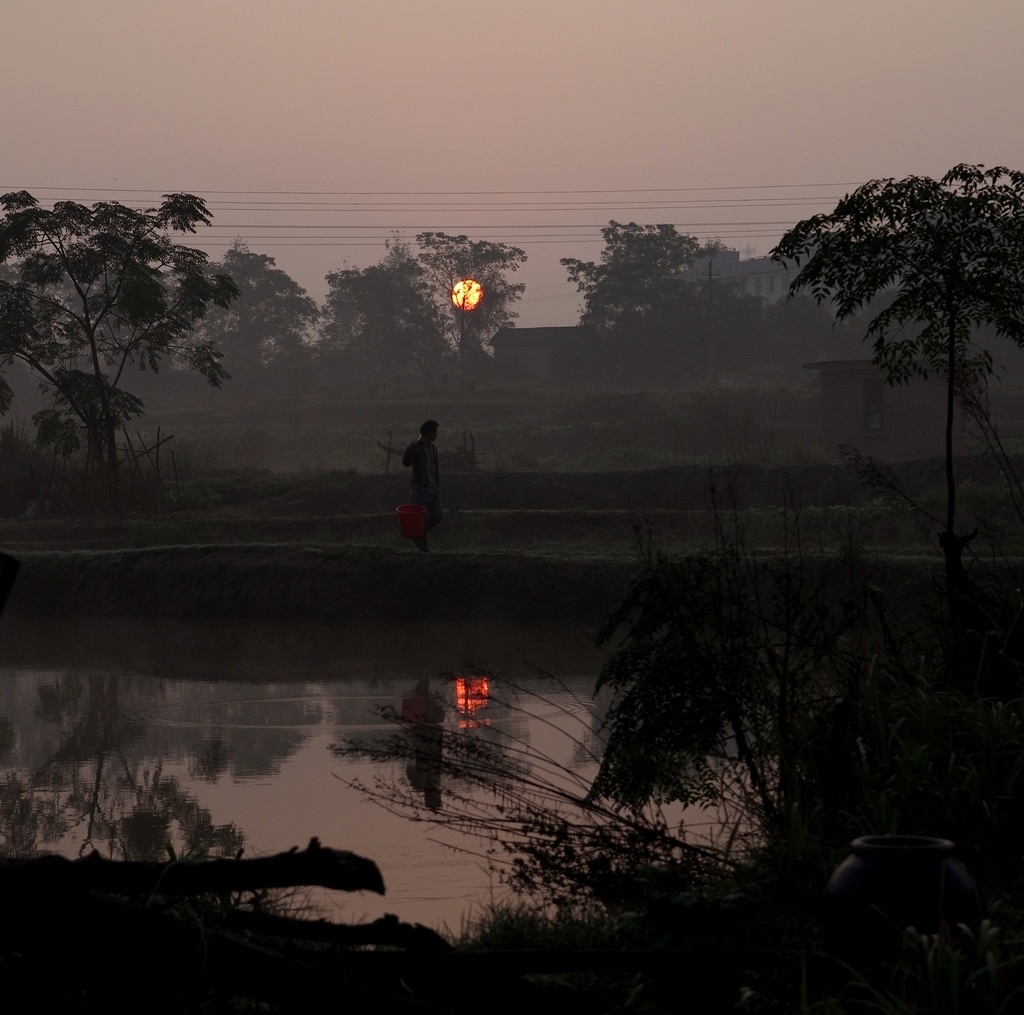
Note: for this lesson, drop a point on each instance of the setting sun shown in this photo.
(467, 294)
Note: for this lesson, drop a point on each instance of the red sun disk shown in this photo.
(467, 294)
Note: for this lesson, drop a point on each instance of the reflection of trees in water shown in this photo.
(91, 782)
(251, 737)
(257, 753)
(159, 806)
(6, 737)
(27, 818)
(211, 761)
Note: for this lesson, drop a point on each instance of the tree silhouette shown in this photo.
(635, 303)
(99, 290)
(626, 286)
(267, 326)
(952, 253)
(382, 324)
(449, 259)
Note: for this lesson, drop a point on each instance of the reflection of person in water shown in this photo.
(423, 715)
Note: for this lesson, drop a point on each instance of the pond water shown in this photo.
(222, 740)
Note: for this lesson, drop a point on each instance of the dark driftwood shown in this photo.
(388, 931)
(316, 865)
(73, 928)
(83, 935)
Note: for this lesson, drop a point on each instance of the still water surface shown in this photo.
(124, 760)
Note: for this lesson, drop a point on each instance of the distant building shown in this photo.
(540, 357)
(888, 422)
(755, 276)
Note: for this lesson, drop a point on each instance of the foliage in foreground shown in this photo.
(795, 705)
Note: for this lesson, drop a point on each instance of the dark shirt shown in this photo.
(423, 459)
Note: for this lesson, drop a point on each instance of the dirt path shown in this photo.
(334, 584)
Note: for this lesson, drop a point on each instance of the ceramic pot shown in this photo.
(889, 883)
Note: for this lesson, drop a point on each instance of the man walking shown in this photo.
(421, 457)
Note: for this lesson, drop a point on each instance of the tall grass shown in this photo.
(517, 923)
(982, 975)
(32, 478)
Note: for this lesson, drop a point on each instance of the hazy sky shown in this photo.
(316, 128)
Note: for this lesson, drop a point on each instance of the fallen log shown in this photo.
(187, 929)
(387, 931)
(101, 935)
(316, 865)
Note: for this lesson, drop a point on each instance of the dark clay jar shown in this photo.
(891, 882)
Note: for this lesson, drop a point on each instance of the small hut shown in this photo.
(884, 421)
(541, 357)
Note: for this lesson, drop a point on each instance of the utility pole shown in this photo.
(711, 336)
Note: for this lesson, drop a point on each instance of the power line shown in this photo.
(433, 193)
(297, 230)
(511, 207)
(319, 206)
(343, 242)
(198, 240)
(556, 207)
(505, 227)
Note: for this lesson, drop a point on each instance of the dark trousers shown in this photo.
(429, 497)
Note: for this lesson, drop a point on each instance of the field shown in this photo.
(544, 494)
(508, 431)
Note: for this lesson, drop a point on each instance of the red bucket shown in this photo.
(412, 520)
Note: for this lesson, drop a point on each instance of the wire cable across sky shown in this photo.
(314, 232)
